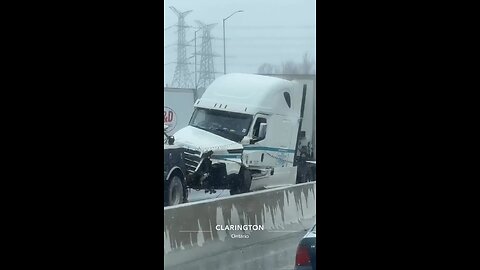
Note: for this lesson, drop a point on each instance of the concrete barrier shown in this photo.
(190, 229)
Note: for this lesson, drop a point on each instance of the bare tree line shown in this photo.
(306, 66)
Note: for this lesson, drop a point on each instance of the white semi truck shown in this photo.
(244, 134)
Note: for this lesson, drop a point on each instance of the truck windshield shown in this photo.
(230, 125)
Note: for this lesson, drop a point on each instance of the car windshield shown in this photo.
(314, 228)
(230, 125)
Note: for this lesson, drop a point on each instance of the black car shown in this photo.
(306, 258)
(174, 174)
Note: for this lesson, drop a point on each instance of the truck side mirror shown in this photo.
(262, 131)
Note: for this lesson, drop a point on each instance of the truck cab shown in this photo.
(243, 134)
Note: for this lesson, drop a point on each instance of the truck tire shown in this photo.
(244, 182)
(305, 174)
(175, 192)
(301, 174)
(314, 174)
(309, 176)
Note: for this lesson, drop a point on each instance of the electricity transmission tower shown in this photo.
(182, 77)
(207, 70)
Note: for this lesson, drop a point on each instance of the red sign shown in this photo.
(169, 118)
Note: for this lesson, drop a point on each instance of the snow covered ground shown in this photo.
(200, 195)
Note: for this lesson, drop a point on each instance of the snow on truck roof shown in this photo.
(249, 93)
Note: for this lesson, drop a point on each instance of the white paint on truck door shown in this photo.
(275, 151)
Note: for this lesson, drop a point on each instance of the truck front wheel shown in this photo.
(175, 192)
(244, 182)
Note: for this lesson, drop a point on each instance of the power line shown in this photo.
(253, 38)
(177, 25)
(253, 27)
(173, 45)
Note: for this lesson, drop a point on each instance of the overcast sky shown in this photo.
(268, 31)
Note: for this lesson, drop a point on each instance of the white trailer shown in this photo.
(178, 108)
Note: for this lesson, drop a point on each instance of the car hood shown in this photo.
(201, 140)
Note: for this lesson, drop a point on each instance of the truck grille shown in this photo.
(192, 159)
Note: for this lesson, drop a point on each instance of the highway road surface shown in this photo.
(278, 254)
